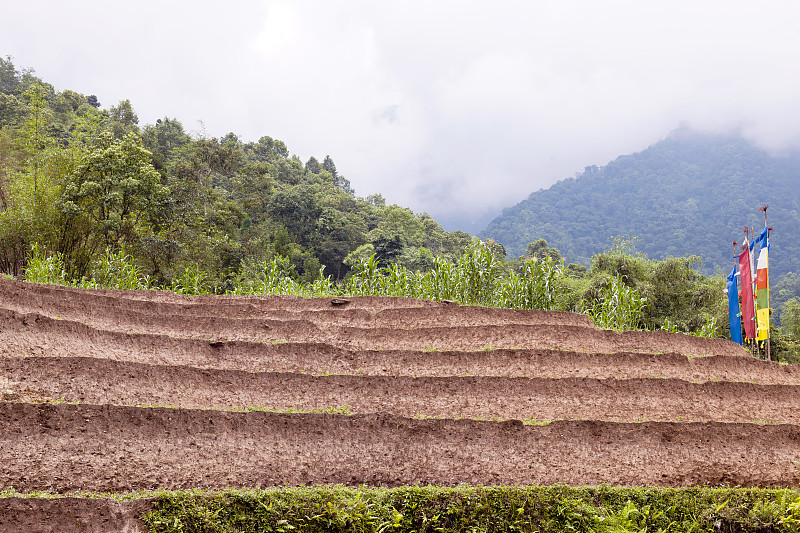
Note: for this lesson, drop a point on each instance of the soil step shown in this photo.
(362, 311)
(463, 338)
(35, 335)
(99, 381)
(67, 514)
(67, 447)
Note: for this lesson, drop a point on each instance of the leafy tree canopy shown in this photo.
(80, 181)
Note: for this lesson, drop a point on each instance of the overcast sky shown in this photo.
(456, 108)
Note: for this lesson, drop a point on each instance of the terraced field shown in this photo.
(117, 391)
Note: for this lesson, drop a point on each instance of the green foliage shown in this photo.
(790, 317)
(618, 307)
(709, 329)
(268, 277)
(783, 348)
(479, 277)
(45, 268)
(687, 194)
(78, 179)
(486, 509)
(541, 250)
(192, 280)
(116, 270)
(536, 287)
(669, 295)
(115, 187)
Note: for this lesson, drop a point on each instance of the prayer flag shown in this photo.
(748, 310)
(734, 317)
(762, 293)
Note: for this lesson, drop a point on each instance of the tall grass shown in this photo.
(116, 270)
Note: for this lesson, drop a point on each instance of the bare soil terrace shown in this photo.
(109, 390)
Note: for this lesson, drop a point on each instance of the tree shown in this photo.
(123, 119)
(388, 249)
(398, 221)
(313, 166)
(338, 234)
(164, 139)
(790, 317)
(267, 149)
(297, 209)
(114, 188)
(783, 291)
(541, 251)
(376, 199)
(9, 77)
(35, 130)
(328, 166)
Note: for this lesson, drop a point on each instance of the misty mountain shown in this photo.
(688, 194)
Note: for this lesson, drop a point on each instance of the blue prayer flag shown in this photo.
(734, 316)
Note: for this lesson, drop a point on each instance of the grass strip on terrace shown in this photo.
(532, 508)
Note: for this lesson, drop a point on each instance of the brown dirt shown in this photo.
(66, 447)
(406, 324)
(629, 409)
(26, 515)
(36, 335)
(99, 381)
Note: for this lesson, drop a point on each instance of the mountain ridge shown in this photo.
(688, 194)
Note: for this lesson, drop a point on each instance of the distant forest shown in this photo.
(689, 194)
(79, 179)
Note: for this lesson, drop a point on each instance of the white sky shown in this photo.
(456, 108)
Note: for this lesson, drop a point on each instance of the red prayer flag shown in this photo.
(748, 312)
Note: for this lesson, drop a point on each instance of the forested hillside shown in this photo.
(78, 179)
(690, 194)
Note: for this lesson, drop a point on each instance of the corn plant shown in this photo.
(398, 281)
(367, 279)
(116, 270)
(708, 329)
(534, 288)
(193, 281)
(323, 285)
(441, 282)
(620, 307)
(44, 268)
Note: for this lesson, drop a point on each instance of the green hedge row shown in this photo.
(477, 509)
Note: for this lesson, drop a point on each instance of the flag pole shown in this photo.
(766, 343)
(738, 296)
(769, 230)
(748, 234)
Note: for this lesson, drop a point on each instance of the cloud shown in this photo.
(449, 107)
